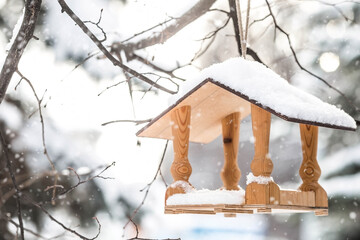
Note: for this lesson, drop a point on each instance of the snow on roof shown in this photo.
(263, 87)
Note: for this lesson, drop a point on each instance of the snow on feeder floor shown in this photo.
(206, 196)
(213, 103)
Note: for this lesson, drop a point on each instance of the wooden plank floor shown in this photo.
(232, 210)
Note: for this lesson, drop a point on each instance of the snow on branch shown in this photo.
(65, 8)
(194, 13)
(32, 10)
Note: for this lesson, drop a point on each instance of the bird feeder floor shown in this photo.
(230, 210)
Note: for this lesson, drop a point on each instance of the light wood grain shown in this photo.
(261, 120)
(230, 174)
(243, 209)
(209, 105)
(262, 193)
(310, 170)
(180, 168)
(297, 198)
(261, 164)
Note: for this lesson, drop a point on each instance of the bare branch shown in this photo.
(213, 33)
(111, 86)
(147, 30)
(25, 181)
(301, 66)
(81, 63)
(97, 24)
(194, 13)
(233, 15)
(155, 67)
(39, 101)
(32, 10)
(259, 20)
(45, 151)
(12, 175)
(137, 234)
(99, 175)
(147, 188)
(335, 6)
(39, 206)
(86, 30)
(25, 229)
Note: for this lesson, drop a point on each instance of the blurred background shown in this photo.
(81, 90)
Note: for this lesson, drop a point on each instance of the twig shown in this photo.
(191, 15)
(259, 20)
(155, 67)
(28, 182)
(86, 30)
(12, 175)
(233, 15)
(147, 30)
(39, 206)
(147, 188)
(301, 66)
(111, 86)
(98, 26)
(213, 33)
(81, 63)
(25, 229)
(86, 180)
(137, 234)
(334, 5)
(32, 10)
(45, 151)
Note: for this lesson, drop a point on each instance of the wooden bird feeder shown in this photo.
(214, 103)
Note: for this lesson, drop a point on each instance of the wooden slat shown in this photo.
(243, 209)
(322, 212)
(310, 170)
(209, 105)
(229, 215)
(264, 210)
(230, 174)
(297, 198)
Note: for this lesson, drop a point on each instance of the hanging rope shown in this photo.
(243, 32)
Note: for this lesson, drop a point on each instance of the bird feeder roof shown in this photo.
(232, 86)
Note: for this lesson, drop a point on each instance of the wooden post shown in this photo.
(261, 165)
(310, 170)
(180, 168)
(230, 174)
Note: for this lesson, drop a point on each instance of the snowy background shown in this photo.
(326, 38)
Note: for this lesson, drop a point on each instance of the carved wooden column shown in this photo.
(310, 170)
(261, 165)
(230, 174)
(180, 168)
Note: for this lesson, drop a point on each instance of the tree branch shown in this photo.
(301, 66)
(12, 175)
(233, 16)
(32, 10)
(65, 8)
(194, 13)
(147, 188)
(39, 206)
